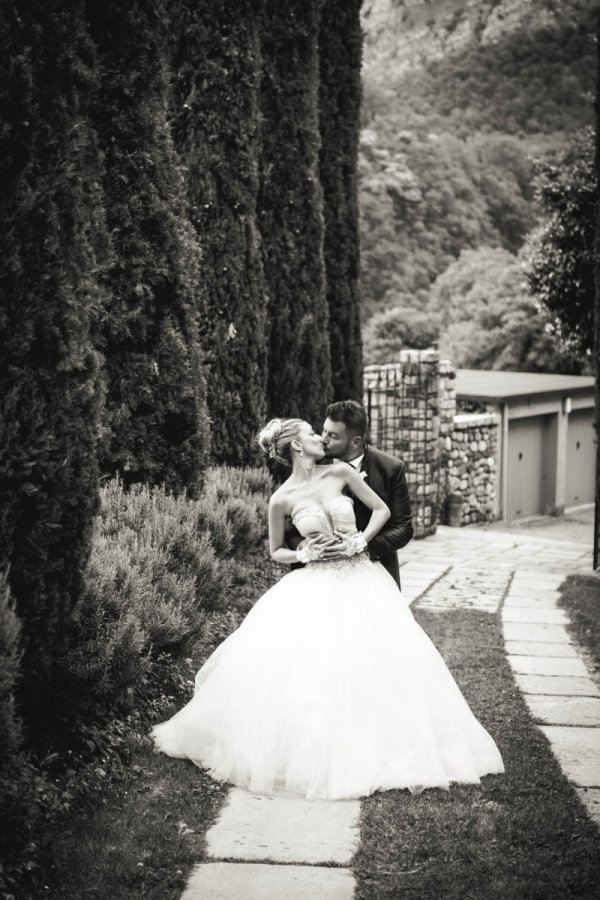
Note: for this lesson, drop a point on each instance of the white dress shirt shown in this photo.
(357, 462)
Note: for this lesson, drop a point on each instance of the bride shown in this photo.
(329, 688)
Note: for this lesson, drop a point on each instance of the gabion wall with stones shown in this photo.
(471, 467)
(403, 403)
(412, 412)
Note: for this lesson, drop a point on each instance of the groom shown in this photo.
(344, 438)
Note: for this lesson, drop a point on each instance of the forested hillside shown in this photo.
(459, 100)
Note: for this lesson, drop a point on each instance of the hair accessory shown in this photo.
(272, 453)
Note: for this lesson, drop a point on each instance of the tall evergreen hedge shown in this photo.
(156, 427)
(216, 76)
(340, 51)
(54, 248)
(291, 211)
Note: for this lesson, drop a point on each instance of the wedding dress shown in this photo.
(330, 689)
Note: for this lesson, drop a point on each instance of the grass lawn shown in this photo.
(519, 835)
(580, 597)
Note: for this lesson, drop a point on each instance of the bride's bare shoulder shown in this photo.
(280, 498)
(338, 469)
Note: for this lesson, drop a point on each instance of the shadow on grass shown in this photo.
(523, 834)
(141, 841)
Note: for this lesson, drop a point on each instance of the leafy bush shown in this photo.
(158, 584)
(243, 494)
(560, 269)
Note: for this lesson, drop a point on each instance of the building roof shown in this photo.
(479, 384)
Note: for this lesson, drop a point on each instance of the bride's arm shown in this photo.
(380, 512)
(277, 547)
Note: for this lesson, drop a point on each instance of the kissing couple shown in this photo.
(329, 689)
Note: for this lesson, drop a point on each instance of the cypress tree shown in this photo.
(217, 64)
(340, 51)
(291, 212)
(54, 249)
(156, 427)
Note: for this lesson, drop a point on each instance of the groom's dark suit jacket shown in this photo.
(386, 475)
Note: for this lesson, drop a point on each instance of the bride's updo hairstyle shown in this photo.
(276, 439)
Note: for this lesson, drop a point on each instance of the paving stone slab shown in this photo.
(565, 685)
(578, 752)
(590, 797)
(253, 881)
(545, 648)
(547, 601)
(252, 826)
(547, 665)
(581, 711)
(535, 587)
(534, 616)
(527, 631)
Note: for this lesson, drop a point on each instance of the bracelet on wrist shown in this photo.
(307, 554)
(356, 544)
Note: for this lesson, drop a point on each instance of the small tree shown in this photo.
(561, 253)
(340, 50)
(155, 426)
(290, 206)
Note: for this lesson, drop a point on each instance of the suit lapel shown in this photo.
(363, 465)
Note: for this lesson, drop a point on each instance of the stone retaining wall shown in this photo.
(471, 466)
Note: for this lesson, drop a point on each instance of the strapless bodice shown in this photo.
(339, 517)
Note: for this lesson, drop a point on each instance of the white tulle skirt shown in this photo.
(330, 689)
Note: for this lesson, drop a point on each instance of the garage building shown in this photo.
(547, 440)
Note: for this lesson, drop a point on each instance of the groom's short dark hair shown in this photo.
(351, 413)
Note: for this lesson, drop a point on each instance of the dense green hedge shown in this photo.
(216, 63)
(290, 211)
(155, 425)
(340, 50)
(54, 250)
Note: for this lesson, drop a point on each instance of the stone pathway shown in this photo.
(290, 849)
(562, 697)
(282, 848)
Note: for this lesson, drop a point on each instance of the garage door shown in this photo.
(581, 457)
(527, 458)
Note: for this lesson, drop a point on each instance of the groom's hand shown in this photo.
(318, 541)
(337, 549)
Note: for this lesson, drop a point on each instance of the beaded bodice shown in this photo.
(339, 517)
